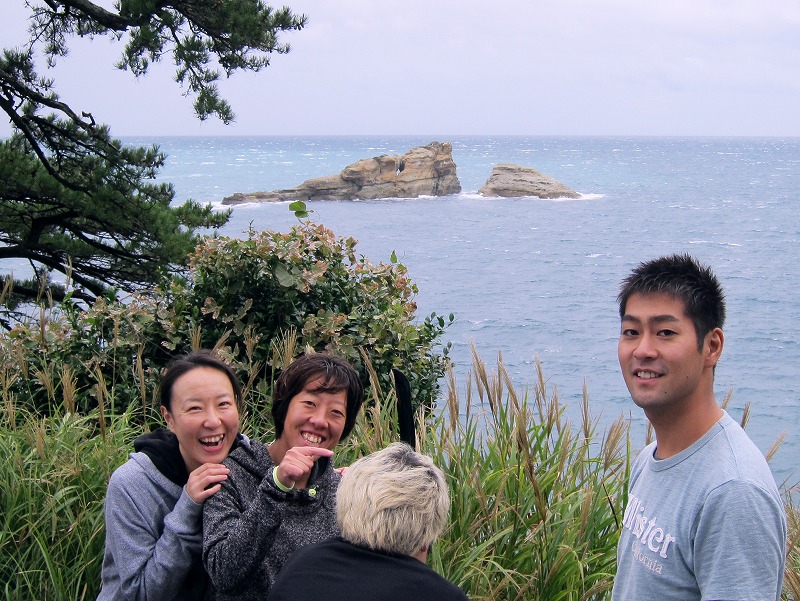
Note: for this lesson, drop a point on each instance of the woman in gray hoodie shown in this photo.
(280, 497)
(154, 502)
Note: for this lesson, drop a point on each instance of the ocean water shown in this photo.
(532, 278)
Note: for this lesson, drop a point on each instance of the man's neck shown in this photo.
(422, 555)
(675, 433)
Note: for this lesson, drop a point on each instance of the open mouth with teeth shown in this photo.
(646, 375)
(212, 441)
(311, 438)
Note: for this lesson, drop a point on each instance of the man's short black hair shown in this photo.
(682, 277)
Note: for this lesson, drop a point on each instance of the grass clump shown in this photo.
(536, 501)
(53, 477)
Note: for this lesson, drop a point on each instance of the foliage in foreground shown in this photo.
(244, 297)
(539, 517)
(73, 199)
(535, 502)
(317, 286)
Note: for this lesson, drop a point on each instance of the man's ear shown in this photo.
(422, 554)
(715, 340)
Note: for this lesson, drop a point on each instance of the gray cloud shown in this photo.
(508, 67)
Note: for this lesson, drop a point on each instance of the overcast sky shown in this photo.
(447, 67)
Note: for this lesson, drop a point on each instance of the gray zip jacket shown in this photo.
(153, 537)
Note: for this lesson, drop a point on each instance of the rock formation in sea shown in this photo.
(515, 180)
(422, 171)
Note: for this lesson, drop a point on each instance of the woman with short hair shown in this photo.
(281, 497)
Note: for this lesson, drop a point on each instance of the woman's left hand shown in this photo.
(205, 481)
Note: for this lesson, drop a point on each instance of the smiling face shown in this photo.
(203, 415)
(314, 419)
(658, 353)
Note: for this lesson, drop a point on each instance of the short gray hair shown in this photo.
(394, 500)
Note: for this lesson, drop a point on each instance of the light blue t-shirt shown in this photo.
(705, 524)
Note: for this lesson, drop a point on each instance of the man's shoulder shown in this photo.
(739, 459)
(443, 589)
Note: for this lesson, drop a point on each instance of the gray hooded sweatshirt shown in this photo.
(153, 529)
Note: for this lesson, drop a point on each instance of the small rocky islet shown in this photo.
(422, 171)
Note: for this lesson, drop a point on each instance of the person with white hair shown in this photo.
(391, 507)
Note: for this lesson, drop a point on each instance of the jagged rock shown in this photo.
(514, 180)
(422, 171)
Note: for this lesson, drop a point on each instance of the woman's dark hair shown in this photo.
(187, 363)
(336, 375)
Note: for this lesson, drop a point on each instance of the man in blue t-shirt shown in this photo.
(704, 519)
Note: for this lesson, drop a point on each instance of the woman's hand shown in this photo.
(205, 481)
(297, 463)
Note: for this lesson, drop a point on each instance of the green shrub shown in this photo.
(74, 359)
(246, 298)
(308, 281)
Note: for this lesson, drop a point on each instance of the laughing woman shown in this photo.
(281, 497)
(154, 503)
